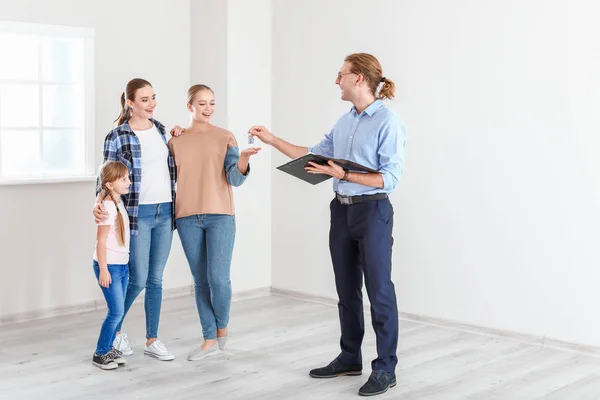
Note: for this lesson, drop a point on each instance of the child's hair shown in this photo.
(110, 172)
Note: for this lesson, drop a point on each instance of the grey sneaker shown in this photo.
(104, 361)
(117, 356)
(199, 354)
(222, 341)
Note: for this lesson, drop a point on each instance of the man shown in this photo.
(360, 237)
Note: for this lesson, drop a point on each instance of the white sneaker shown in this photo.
(159, 350)
(122, 344)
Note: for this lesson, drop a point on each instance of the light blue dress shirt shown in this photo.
(375, 138)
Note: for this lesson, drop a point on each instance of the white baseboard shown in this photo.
(96, 305)
(542, 341)
(251, 294)
(48, 313)
(303, 296)
(537, 340)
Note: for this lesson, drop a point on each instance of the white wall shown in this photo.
(231, 53)
(496, 218)
(47, 239)
(208, 52)
(249, 103)
(46, 257)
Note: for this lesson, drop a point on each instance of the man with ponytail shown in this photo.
(360, 237)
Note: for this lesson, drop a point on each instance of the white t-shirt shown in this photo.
(155, 187)
(116, 253)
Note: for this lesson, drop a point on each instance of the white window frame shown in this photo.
(87, 34)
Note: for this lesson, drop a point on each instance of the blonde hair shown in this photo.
(193, 91)
(110, 172)
(369, 67)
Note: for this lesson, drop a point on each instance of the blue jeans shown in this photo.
(115, 300)
(148, 254)
(207, 241)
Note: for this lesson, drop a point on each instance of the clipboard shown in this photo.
(296, 167)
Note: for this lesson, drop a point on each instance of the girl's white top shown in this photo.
(116, 253)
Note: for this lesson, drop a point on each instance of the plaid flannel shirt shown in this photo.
(121, 144)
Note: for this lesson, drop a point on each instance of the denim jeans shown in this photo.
(207, 241)
(148, 254)
(115, 300)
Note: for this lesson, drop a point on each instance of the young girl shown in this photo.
(111, 259)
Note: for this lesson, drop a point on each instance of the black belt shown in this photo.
(348, 200)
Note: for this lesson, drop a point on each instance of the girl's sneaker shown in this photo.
(104, 361)
(122, 344)
(117, 356)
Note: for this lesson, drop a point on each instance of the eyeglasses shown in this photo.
(340, 74)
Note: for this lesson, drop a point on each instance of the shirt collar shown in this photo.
(373, 107)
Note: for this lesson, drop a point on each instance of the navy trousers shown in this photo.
(360, 242)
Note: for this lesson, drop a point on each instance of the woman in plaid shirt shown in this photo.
(139, 142)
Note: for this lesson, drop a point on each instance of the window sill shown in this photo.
(45, 180)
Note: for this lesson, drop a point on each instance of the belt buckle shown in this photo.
(345, 200)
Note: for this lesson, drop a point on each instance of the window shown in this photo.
(46, 102)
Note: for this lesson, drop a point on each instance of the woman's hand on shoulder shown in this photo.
(100, 213)
(177, 131)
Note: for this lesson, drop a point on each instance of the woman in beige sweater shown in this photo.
(208, 164)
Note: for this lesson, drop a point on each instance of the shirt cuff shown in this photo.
(389, 182)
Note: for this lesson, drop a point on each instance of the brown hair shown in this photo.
(110, 172)
(129, 94)
(193, 90)
(369, 67)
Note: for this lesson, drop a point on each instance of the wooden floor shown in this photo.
(274, 342)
